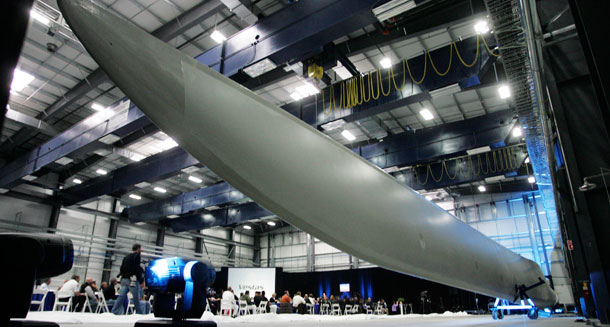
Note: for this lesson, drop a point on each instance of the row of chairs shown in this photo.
(39, 297)
(228, 309)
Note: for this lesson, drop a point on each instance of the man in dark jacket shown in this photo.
(132, 278)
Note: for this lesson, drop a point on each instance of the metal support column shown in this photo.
(311, 253)
(160, 241)
(256, 253)
(531, 228)
(112, 232)
(54, 218)
(231, 249)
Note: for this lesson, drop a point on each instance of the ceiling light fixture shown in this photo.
(101, 172)
(393, 8)
(135, 196)
(159, 189)
(527, 160)
(97, 107)
(271, 223)
(427, 114)
(531, 179)
(307, 89)
(348, 135)
(259, 68)
(482, 188)
(77, 181)
(517, 132)
(21, 79)
(296, 96)
(504, 91)
(39, 17)
(481, 27)
(195, 179)
(248, 227)
(172, 216)
(385, 62)
(167, 144)
(218, 37)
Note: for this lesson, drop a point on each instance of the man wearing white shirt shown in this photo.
(45, 285)
(298, 303)
(229, 297)
(69, 289)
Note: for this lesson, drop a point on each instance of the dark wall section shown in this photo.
(376, 283)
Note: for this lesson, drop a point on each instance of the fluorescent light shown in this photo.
(29, 178)
(63, 161)
(218, 37)
(385, 62)
(247, 227)
(342, 72)
(447, 90)
(482, 188)
(481, 27)
(517, 132)
(271, 223)
(101, 172)
(307, 89)
(195, 179)
(429, 197)
(333, 125)
(21, 79)
(392, 9)
(259, 68)
(172, 216)
(527, 160)
(167, 144)
(160, 189)
(39, 17)
(504, 91)
(348, 135)
(482, 149)
(97, 107)
(426, 114)
(135, 196)
(531, 179)
(136, 157)
(77, 181)
(296, 96)
(109, 139)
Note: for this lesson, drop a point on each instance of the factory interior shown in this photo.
(485, 121)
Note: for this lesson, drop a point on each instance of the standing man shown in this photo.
(132, 279)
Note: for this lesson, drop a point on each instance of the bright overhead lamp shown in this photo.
(481, 27)
(167, 144)
(527, 160)
(101, 172)
(135, 196)
(247, 227)
(195, 179)
(39, 17)
(447, 90)
(271, 223)
(136, 157)
(307, 89)
(479, 150)
(385, 62)
(173, 216)
(77, 181)
(342, 72)
(218, 37)
(159, 189)
(21, 79)
(333, 125)
(427, 114)
(393, 8)
(97, 107)
(296, 96)
(259, 68)
(348, 135)
(504, 91)
(482, 188)
(517, 132)
(429, 197)
(531, 179)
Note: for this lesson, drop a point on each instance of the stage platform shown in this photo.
(433, 320)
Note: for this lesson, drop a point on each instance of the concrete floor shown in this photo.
(454, 320)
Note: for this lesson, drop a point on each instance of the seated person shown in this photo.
(88, 288)
(109, 292)
(298, 303)
(230, 298)
(286, 297)
(45, 285)
(257, 298)
(69, 290)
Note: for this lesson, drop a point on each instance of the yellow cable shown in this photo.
(432, 174)
(362, 90)
(389, 84)
(423, 75)
(370, 85)
(417, 176)
(447, 170)
(488, 49)
(476, 55)
(448, 67)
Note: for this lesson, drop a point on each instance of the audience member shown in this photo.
(257, 298)
(286, 297)
(45, 285)
(132, 279)
(109, 292)
(69, 290)
(298, 303)
(229, 298)
(87, 288)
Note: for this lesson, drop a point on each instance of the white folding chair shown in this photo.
(102, 306)
(348, 309)
(63, 305)
(379, 309)
(40, 303)
(130, 306)
(369, 309)
(355, 309)
(243, 308)
(324, 309)
(309, 308)
(151, 299)
(273, 307)
(86, 304)
(262, 307)
(207, 305)
(226, 308)
(335, 309)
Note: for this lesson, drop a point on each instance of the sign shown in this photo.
(252, 279)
